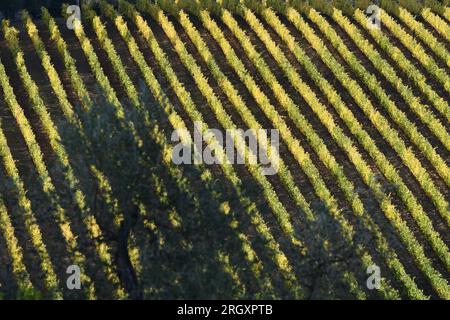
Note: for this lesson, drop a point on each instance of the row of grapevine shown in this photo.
(340, 138)
(103, 80)
(403, 191)
(78, 86)
(346, 115)
(96, 68)
(447, 14)
(31, 224)
(266, 185)
(343, 167)
(279, 258)
(411, 44)
(238, 102)
(102, 180)
(125, 80)
(116, 62)
(53, 76)
(55, 80)
(114, 58)
(271, 113)
(432, 235)
(77, 256)
(107, 45)
(220, 112)
(69, 62)
(437, 22)
(83, 96)
(419, 79)
(382, 124)
(132, 94)
(55, 142)
(15, 251)
(327, 120)
(422, 32)
(423, 10)
(184, 97)
(439, 246)
(116, 65)
(424, 145)
(362, 101)
(265, 105)
(304, 126)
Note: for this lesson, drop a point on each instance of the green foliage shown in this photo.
(388, 132)
(11, 170)
(29, 294)
(159, 230)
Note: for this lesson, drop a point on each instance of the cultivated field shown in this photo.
(363, 166)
